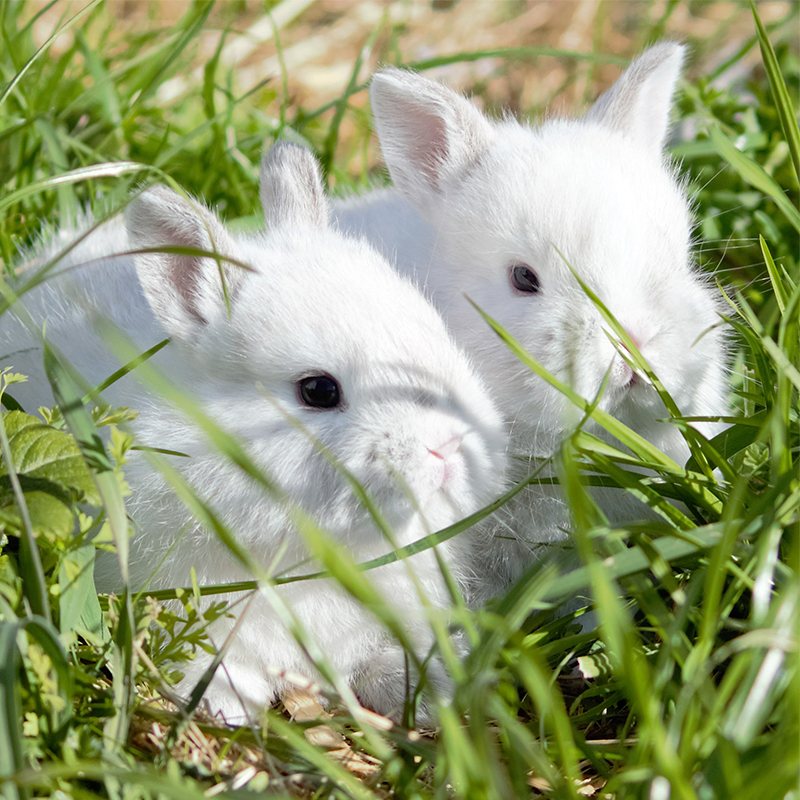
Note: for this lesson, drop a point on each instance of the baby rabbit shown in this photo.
(481, 209)
(321, 332)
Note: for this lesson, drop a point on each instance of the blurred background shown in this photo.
(307, 50)
(193, 90)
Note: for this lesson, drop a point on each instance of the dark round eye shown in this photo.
(319, 391)
(524, 279)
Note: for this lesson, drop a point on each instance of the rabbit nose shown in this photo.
(628, 376)
(448, 448)
(637, 340)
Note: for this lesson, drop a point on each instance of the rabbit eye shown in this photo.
(319, 391)
(524, 279)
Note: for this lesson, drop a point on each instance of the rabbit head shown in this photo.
(510, 204)
(320, 354)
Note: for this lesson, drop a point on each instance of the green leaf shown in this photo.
(30, 562)
(68, 396)
(79, 608)
(49, 508)
(10, 403)
(41, 451)
(90, 449)
(49, 515)
(10, 582)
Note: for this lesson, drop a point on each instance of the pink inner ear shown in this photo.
(184, 276)
(426, 143)
(184, 272)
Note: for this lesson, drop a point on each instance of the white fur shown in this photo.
(484, 195)
(316, 302)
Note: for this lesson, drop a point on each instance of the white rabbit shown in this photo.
(479, 209)
(322, 331)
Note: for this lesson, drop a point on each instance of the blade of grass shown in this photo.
(44, 633)
(331, 140)
(43, 49)
(754, 174)
(628, 437)
(548, 698)
(11, 746)
(781, 295)
(742, 433)
(142, 778)
(632, 352)
(124, 370)
(68, 397)
(399, 553)
(111, 169)
(31, 571)
(337, 774)
(106, 88)
(622, 644)
(187, 28)
(780, 95)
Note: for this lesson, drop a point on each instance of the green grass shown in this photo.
(690, 686)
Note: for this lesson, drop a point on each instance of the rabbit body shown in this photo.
(492, 211)
(414, 425)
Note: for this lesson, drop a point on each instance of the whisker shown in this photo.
(715, 175)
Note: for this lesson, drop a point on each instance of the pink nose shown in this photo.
(635, 339)
(629, 377)
(448, 448)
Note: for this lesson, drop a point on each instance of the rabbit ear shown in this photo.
(291, 187)
(428, 133)
(184, 291)
(639, 103)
